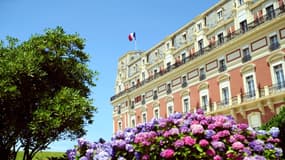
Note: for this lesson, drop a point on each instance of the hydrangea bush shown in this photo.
(190, 136)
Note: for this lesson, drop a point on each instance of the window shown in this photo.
(144, 118)
(274, 44)
(250, 86)
(240, 2)
(119, 109)
(204, 102)
(246, 55)
(143, 76)
(120, 89)
(201, 45)
(202, 74)
(204, 98)
(168, 91)
(156, 113)
(170, 109)
(186, 105)
(222, 65)
(220, 14)
(155, 72)
(184, 81)
(225, 96)
(133, 121)
(133, 83)
(119, 125)
(184, 37)
(183, 56)
(220, 38)
(143, 99)
(132, 104)
(168, 66)
(279, 76)
(154, 95)
(270, 13)
(243, 26)
(199, 26)
(167, 45)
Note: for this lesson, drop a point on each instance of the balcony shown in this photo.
(143, 101)
(202, 77)
(184, 84)
(154, 97)
(249, 95)
(274, 46)
(204, 51)
(222, 68)
(278, 87)
(246, 58)
(252, 98)
(168, 91)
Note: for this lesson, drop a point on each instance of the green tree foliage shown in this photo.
(45, 87)
(278, 121)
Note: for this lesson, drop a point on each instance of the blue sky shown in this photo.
(105, 24)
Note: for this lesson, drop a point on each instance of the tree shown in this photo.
(278, 121)
(45, 92)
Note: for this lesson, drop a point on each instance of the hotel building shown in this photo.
(228, 60)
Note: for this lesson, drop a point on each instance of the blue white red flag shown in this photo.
(132, 36)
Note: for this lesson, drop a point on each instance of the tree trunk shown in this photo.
(7, 154)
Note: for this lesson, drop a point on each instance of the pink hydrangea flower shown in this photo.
(167, 153)
(197, 129)
(189, 141)
(237, 145)
(211, 152)
(203, 143)
(217, 157)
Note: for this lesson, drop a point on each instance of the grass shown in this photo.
(44, 155)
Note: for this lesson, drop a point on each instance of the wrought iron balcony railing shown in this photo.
(278, 12)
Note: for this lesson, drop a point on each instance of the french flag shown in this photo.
(132, 36)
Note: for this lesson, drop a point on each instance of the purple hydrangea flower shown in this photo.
(209, 134)
(274, 131)
(218, 145)
(257, 145)
(71, 154)
(179, 143)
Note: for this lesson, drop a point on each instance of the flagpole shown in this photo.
(135, 44)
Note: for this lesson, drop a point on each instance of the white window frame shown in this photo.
(272, 72)
(224, 84)
(204, 92)
(158, 111)
(120, 127)
(168, 105)
(144, 113)
(133, 119)
(183, 105)
(240, 2)
(220, 14)
(247, 74)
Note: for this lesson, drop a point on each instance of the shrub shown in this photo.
(190, 136)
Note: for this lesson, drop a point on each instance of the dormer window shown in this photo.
(240, 2)
(167, 45)
(220, 14)
(199, 26)
(184, 37)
